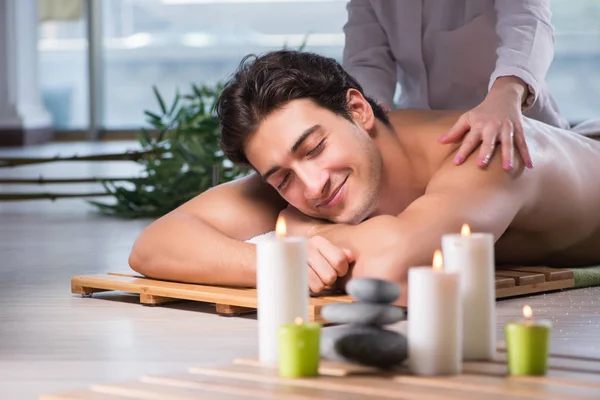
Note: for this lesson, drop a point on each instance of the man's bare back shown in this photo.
(561, 225)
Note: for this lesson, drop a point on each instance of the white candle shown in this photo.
(282, 287)
(472, 256)
(434, 320)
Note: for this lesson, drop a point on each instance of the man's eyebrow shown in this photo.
(304, 136)
(294, 149)
(269, 173)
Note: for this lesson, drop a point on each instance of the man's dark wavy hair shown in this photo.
(265, 83)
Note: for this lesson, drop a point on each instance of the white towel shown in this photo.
(258, 238)
(589, 128)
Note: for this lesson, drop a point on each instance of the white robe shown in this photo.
(446, 54)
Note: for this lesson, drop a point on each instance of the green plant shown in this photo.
(182, 157)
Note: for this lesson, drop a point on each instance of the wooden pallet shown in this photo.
(567, 378)
(228, 301)
(510, 281)
(520, 280)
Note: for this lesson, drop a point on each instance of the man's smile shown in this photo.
(335, 197)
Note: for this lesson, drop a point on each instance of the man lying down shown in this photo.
(373, 192)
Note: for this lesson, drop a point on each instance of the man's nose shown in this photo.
(314, 181)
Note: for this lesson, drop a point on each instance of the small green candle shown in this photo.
(527, 345)
(299, 349)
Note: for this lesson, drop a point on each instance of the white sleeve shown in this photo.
(526, 48)
(367, 55)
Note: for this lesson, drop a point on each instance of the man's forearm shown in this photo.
(376, 243)
(378, 249)
(181, 247)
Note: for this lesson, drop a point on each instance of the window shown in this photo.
(173, 43)
(574, 76)
(62, 56)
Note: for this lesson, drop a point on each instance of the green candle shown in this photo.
(527, 345)
(299, 349)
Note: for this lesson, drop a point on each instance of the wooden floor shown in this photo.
(51, 341)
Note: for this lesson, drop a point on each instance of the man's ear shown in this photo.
(360, 109)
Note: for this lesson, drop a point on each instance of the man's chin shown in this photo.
(348, 219)
(344, 217)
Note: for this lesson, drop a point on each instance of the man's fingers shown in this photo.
(519, 137)
(349, 255)
(334, 256)
(488, 145)
(469, 144)
(508, 145)
(457, 131)
(322, 268)
(314, 282)
(318, 262)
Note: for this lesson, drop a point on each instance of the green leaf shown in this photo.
(153, 116)
(178, 164)
(175, 102)
(304, 43)
(161, 102)
(144, 138)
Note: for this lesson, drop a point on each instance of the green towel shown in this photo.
(586, 276)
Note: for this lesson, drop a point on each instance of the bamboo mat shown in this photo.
(567, 378)
(510, 281)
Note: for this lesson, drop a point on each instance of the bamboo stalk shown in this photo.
(16, 161)
(43, 181)
(43, 196)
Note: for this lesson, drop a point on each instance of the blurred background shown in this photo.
(173, 43)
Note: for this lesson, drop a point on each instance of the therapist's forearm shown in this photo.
(510, 88)
(526, 40)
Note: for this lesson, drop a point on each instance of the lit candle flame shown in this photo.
(438, 260)
(527, 312)
(466, 230)
(298, 321)
(280, 227)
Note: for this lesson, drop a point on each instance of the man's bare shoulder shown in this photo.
(423, 118)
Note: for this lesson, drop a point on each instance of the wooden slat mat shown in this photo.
(244, 380)
(228, 301)
(510, 281)
(521, 280)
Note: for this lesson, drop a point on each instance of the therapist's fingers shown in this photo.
(521, 144)
(469, 144)
(508, 145)
(488, 145)
(457, 131)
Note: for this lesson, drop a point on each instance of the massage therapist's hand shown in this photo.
(327, 262)
(497, 119)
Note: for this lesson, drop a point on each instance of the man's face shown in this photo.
(321, 163)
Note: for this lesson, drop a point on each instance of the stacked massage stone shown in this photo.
(362, 339)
